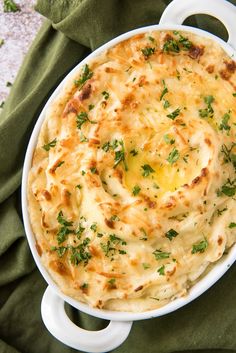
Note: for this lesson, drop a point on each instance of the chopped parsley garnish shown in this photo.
(166, 104)
(85, 75)
(228, 155)
(175, 45)
(168, 139)
(64, 230)
(61, 220)
(10, 6)
(147, 52)
(50, 145)
(160, 255)
(171, 45)
(93, 170)
(105, 95)
(178, 74)
(174, 114)
(61, 250)
(224, 122)
(1, 42)
(114, 218)
(112, 283)
(93, 227)
(106, 146)
(83, 138)
(147, 170)
(81, 253)
(234, 94)
(91, 106)
(186, 43)
(208, 111)
(83, 172)
(151, 39)
(200, 247)
(79, 231)
(165, 90)
(145, 237)
(136, 190)
(83, 118)
(120, 156)
(173, 156)
(59, 164)
(146, 266)
(134, 152)
(84, 286)
(8, 84)
(2, 104)
(171, 234)
(109, 248)
(228, 189)
(232, 225)
(161, 270)
(220, 212)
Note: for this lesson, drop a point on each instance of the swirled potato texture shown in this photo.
(132, 187)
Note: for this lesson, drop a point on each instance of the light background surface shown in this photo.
(18, 31)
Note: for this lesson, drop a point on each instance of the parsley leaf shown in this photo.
(147, 52)
(209, 111)
(145, 266)
(136, 190)
(171, 234)
(171, 45)
(173, 156)
(134, 152)
(81, 253)
(85, 75)
(120, 156)
(200, 247)
(165, 90)
(160, 255)
(49, 145)
(93, 227)
(147, 170)
(168, 140)
(166, 104)
(83, 118)
(232, 225)
(228, 189)
(61, 250)
(161, 270)
(174, 114)
(64, 230)
(105, 95)
(224, 123)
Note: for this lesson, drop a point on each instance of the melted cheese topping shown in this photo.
(132, 186)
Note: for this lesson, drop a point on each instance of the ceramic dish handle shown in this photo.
(178, 10)
(60, 326)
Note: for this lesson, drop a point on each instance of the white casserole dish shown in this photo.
(53, 313)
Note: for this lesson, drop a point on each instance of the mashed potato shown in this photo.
(132, 187)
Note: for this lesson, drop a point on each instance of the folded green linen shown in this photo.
(72, 30)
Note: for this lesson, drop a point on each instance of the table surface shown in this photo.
(17, 30)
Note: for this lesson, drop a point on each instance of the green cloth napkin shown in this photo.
(72, 30)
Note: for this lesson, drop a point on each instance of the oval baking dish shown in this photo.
(116, 332)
